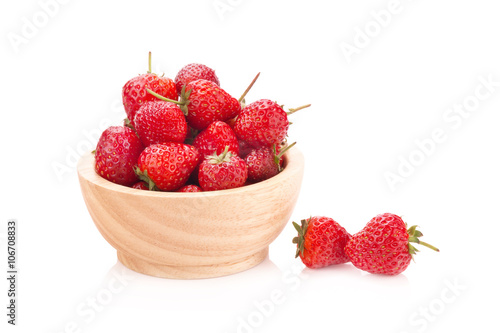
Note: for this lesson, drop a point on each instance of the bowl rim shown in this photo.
(293, 161)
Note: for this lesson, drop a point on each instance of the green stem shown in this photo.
(163, 98)
(249, 87)
(429, 246)
(277, 157)
(149, 63)
(286, 148)
(224, 153)
(297, 109)
(414, 235)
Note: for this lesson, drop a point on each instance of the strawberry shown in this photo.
(134, 92)
(224, 171)
(141, 186)
(116, 155)
(159, 122)
(215, 138)
(320, 242)
(383, 246)
(190, 188)
(167, 166)
(264, 163)
(193, 72)
(263, 123)
(204, 102)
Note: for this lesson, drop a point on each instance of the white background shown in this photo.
(62, 85)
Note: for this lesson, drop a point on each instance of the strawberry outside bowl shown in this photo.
(192, 235)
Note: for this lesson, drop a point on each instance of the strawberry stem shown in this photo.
(163, 98)
(291, 111)
(128, 123)
(428, 245)
(224, 153)
(285, 149)
(277, 157)
(249, 87)
(413, 237)
(149, 63)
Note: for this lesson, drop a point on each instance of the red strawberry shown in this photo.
(140, 186)
(224, 171)
(383, 246)
(167, 166)
(193, 72)
(215, 138)
(190, 188)
(205, 102)
(208, 103)
(159, 122)
(320, 242)
(134, 92)
(263, 123)
(264, 163)
(116, 155)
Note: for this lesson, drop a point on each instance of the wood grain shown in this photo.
(192, 235)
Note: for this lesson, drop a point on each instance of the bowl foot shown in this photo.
(191, 272)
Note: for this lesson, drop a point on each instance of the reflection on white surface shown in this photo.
(243, 302)
(232, 299)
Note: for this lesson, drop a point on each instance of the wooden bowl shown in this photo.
(192, 235)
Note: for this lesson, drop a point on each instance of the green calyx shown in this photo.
(218, 159)
(128, 123)
(183, 103)
(414, 236)
(145, 178)
(300, 239)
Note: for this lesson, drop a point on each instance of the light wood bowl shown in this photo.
(192, 235)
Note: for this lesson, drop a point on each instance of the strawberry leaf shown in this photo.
(145, 178)
(300, 239)
(297, 227)
(413, 237)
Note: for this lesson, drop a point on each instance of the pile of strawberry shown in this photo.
(190, 135)
(382, 247)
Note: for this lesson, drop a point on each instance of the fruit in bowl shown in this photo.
(192, 235)
(172, 191)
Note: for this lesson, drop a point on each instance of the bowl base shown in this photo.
(192, 272)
